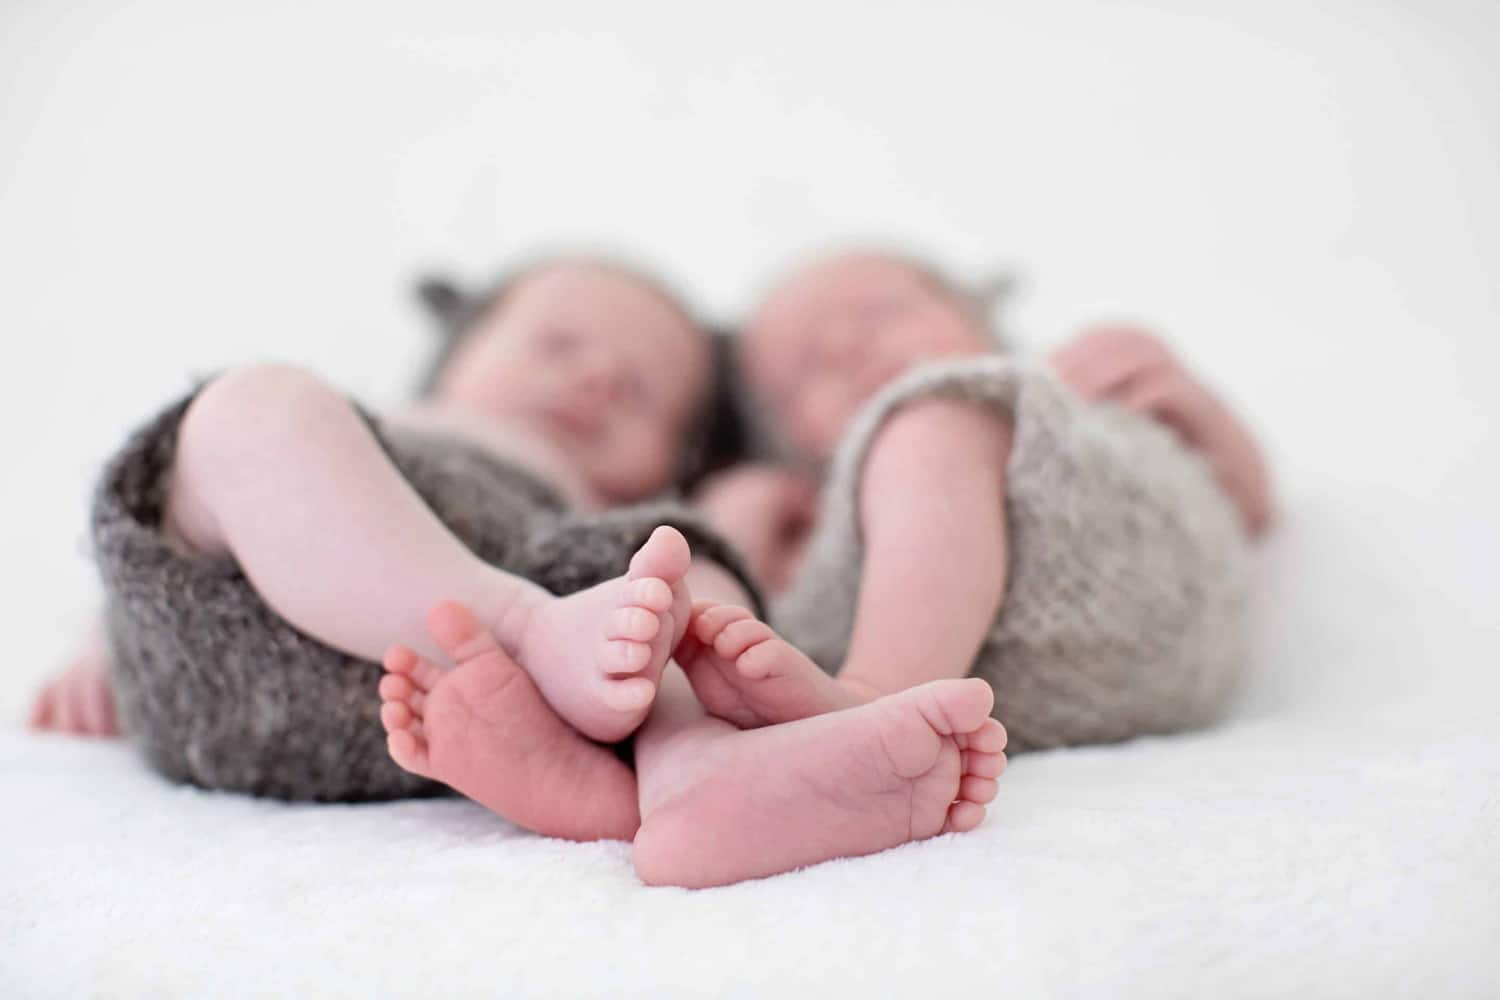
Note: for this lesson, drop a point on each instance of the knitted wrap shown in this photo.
(218, 690)
(1125, 602)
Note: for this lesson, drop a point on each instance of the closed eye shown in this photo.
(634, 391)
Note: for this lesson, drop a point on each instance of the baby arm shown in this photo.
(1134, 369)
(932, 509)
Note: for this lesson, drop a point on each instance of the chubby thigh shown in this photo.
(215, 686)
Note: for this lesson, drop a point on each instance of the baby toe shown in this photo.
(625, 657)
(963, 816)
(710, 623)
(395, 716)
(635, 624)
(421, 672)
(988, 738)
(666, 554)
(984, 765)
(630, 694)
(741, 635)
(399, 659)
(652, 593)
(976, 789)
(394, 687)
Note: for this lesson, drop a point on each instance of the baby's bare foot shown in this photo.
(484, 729)
(742, 671)
(598, 654)
(904, 767)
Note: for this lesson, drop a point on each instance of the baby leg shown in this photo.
(279, 469)
(276, 468)
(933, 519)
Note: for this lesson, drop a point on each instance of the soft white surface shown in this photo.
(1305, 201)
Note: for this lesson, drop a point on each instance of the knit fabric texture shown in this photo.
(218, 690)
(1124, 609)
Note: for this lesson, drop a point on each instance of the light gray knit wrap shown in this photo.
(1125, 601)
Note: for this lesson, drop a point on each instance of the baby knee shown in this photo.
(259, 402)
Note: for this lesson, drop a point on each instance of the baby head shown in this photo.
(595, 357)
(828, 336)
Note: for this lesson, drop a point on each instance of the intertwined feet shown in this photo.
(484, 729)
(903, 767)
(742, 671)
(597, 655)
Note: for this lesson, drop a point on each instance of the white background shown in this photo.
(1302, 197)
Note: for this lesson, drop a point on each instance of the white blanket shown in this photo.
(1337, 843)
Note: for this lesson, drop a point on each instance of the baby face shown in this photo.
(830, 336)
(596, 361)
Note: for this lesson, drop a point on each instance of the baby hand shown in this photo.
(80, 700)
(1132, 368)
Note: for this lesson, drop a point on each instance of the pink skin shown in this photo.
(79, 701)
(823, 343)
(720, 805)
(485, 729)
(715, 804)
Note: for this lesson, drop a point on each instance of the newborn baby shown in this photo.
(265, 520)
(1073, 536)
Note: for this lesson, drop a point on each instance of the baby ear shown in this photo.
(995, 290)
(444, 301)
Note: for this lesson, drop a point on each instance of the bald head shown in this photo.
(830, 334)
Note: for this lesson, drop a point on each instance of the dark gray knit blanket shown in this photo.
(218, 690)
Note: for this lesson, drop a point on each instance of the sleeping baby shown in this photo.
(1072, 533)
